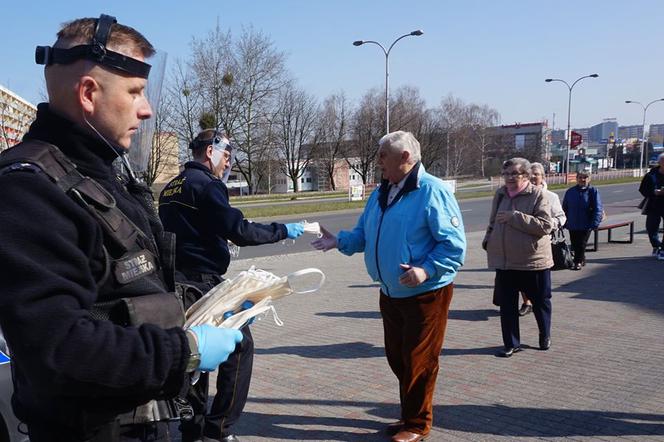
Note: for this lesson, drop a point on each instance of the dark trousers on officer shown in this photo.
(233, 379)
(537, 287)
(579, 240)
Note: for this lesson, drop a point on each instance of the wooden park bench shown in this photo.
(610, 228)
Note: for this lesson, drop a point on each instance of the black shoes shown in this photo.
(229, 438)
(576, 266)
(525, 309)
(508, 352)
(545, 342)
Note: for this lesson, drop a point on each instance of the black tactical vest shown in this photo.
(137, 285)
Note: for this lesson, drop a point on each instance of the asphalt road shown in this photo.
(617, 198)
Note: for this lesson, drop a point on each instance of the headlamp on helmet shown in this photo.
(95, 51)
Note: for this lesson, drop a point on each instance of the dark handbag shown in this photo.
(643, 205)
(562, 256)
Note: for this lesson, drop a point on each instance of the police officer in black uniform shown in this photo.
(194, 206)
(87, 305)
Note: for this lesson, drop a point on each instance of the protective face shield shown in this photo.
(97, 52)
(219, 145)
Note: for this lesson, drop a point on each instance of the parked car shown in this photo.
(8, 423)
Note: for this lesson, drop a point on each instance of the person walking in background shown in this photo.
(519, 250)
(652, 188)
(537, 177)
(583, 208)
(195, 206)
(413, 241)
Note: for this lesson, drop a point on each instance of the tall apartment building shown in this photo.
(16, 114)
(600, 133)
(633, 131)
(656, 130)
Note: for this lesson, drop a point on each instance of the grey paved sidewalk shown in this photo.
(323, 375)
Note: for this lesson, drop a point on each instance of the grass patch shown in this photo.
(294, 209)
(285, 197)
(322, 206)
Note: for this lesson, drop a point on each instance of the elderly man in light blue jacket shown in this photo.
(413, 241)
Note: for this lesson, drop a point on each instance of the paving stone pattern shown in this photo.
(323, 375)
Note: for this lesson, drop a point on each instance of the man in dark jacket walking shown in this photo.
(195, 206)
(652, 188)
(87, 304)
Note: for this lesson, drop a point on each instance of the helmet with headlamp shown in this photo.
(95, 51)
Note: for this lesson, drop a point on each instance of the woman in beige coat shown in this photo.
(519, 249)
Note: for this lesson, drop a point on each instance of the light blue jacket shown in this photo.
(422, 227)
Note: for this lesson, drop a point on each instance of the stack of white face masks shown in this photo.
(223, 305)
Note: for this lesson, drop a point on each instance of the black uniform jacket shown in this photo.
(195, 207)
(651, 181)
(69, 368)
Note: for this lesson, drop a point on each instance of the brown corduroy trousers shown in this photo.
(414, 332)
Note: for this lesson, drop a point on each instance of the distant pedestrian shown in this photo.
(537, 177)
(413, 241)
(519, 250)
(583, 207)
(652, 188)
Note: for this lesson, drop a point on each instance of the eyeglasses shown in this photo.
(511, 174)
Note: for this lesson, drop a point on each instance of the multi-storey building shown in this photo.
(602, 132)
(16, 114)
(531, 140)
(656, 130)
(633, 131)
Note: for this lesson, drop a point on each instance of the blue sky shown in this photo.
(491, 52)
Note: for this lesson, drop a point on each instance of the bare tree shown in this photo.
(432, 141)
(232, 82)
(212, 62)
(481, 119)
(466, 132)
(259, 74)
(407, 109)
(367, 127)
(331, 134)
(185, 106)
(295, 121)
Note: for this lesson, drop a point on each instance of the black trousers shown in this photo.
(233, 380)
(537, 287)
(579, 240)
(652, 227)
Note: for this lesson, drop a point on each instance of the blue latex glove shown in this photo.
(294, 230)
(215, 344)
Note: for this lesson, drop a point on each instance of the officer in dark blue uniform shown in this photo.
(88, 305)
(195, 207)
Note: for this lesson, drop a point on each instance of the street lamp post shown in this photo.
(416, 33)
(644, 145)
(569, 110)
